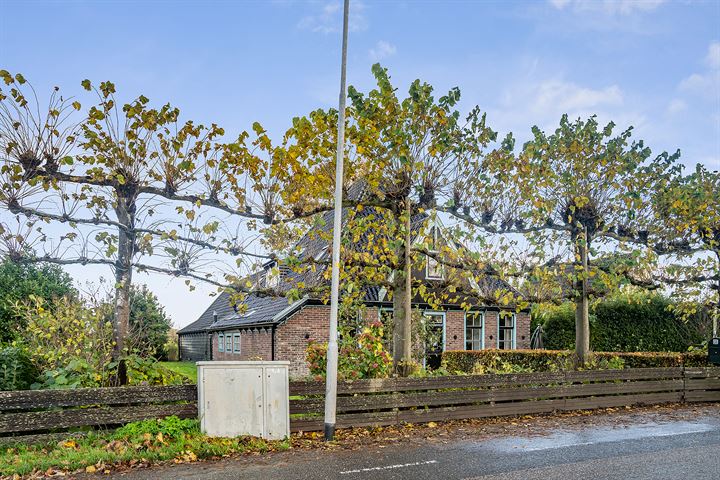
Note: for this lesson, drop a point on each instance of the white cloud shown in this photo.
(676, 105)
(611, 7)
(713, 56)
(381, 50)
(526, 102)
(329, 18)
(706, 84)
(568, 97)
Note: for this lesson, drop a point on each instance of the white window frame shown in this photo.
(437, 313)
(237, 342)
(514, 331)
(221, 342)
(482, 329)
(272, 278)
(429, 259)
(228, 337)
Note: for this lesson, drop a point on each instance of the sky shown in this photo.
(652, 64)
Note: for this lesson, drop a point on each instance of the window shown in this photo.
(272, 278)
(434, 324)
(236, 343)
(433, 268)
(228, 343)
(221, 342)
(474, 323)
(506, 331)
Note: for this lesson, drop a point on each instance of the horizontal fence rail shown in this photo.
(31, 415)
(413, 400)
(37, 414)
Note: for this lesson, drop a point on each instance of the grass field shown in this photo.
(183, 368)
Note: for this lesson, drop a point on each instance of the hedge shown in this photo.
(645, 324)
(507, 361)
(16, 369)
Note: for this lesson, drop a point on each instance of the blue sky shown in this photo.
(649, 63)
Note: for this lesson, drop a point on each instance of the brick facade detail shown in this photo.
(311, 324)
(254, 345)
(292, 337)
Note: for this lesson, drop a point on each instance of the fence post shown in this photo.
(684, 379)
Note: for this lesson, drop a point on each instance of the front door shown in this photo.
(434, 339)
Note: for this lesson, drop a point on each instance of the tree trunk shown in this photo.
(125, 211)
(402, 304)
(582, 317)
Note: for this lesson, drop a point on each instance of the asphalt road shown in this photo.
(675, 449)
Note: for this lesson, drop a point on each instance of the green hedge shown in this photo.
(16, 369)
(645, 324)
(509, 361)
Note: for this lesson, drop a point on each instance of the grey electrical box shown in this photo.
(714, 351)
(244, 398)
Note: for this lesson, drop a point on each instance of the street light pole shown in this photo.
(332, 350)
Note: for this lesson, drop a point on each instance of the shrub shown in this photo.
(171, 427)
(628, 322)
(63, 330)
(641, 323)
(148, 371)
(78, 373)
(504, 361)
(559, 327)
(359, 356)
(515, 361)
(18, 281)
(149, 324)
(17, 371)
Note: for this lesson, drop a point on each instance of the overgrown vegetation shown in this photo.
(361, 355)
(19, 281)
(135, 443)
(525, 361)
(70, 344)
(17, 372)
(632, 321)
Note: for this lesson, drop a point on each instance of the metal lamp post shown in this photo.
(332, 351)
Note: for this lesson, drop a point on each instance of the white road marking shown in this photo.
(389, 467)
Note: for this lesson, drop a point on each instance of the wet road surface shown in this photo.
(656, 449)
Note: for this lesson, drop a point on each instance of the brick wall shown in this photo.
(522, 339)
(254, 345)
(310, 323)
(454, 330)
(491, 324)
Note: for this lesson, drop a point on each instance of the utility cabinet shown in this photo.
(714, 351)
(244, 398)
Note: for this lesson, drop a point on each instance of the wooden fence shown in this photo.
(31, 414)
(35, 414)
(409, 400)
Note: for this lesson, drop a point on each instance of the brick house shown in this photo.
(271, 328)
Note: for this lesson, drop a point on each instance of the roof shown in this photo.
(272, 310)
(221, 306)
(258, 311)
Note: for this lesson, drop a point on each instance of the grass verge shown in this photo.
(187, 369)
(135, 444)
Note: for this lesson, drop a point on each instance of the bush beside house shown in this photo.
(517, 361)
(635, 322)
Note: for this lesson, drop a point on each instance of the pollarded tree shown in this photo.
(688, 216)
(133, 188)
(587, 189)
(405, 157)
